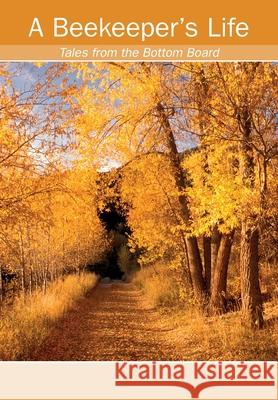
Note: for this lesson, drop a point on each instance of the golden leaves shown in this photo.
(48, 211)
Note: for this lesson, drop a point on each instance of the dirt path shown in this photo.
(112, 323)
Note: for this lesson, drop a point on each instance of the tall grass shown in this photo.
(160, 288)
(24, 326)
(198, 336)
(222, 337)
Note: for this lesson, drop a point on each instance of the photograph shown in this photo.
(138, 211)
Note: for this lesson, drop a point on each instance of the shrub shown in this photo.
(161, 289)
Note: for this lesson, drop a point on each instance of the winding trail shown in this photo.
(112, 323)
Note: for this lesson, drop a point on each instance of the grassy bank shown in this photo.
(24, 326)
(197, 336)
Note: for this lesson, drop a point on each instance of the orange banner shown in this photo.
(164, 23)
(137, 53)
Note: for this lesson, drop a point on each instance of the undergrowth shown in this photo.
(24, 327)
(198, 336)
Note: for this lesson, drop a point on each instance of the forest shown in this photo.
(163, 175)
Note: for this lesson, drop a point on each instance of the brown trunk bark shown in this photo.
(219, 286)
(195, 266)
(31, 281)
(194, 257)
(207, 261)
(215, 243)
(252, 308)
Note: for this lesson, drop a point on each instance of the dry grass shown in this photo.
(222, 338)
(197, 336)
(160, 289)
(25, 326)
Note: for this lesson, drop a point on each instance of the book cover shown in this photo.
(138, 206)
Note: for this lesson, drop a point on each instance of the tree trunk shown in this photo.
(207, 261)
(22, 262)
(36, 278)
(219, 287)
(194, 257)
(195, 266)
(252, 309)
(215, 243)
(31, 281)
(23, 278)
(45, 273)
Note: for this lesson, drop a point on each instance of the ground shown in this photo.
(113, 322)
(116, 322)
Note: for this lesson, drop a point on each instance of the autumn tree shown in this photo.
(242, 115)
(43, 194)
(128, 110)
